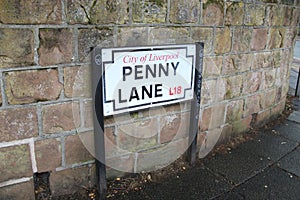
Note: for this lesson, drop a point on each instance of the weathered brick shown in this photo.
(60, 117)
(56, 44)
(288, 16)
(289, 38)
(69, 181)
(154, 159)
(254, 14)
(295, 19)
(212, 66)
(208, 143)
(174, 127)
(242, 126)
(15, 162)
(163, 35)
(262, 60)
(182, 11)
(149, 11)
(269, 78)
(16, 47)
(88, 114)
(234, 111)
(77, 82)
(212, 117)
(275, 16)
(277, 58)
(278, 108)
(132, 36)
(276, 38)
(203, 35)
(242, 40)
(77, 11)
(262, 118)
(208, 91)
(32, 86)
(213, 13)
(234, 64)
(223, 40)
(18, 123)
(226, 134)
(252, 105)
(259, 39)
(75, 151)
(28, 12)
(252, 82)
(267, 99)
(233, 86)
(138, 135)
(48, 154)
(124, 163)
(18, 191)
(109, 11)
(234, 13)
(90, 38)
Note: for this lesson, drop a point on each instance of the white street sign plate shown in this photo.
(136, 78)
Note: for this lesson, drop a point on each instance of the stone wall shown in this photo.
(45, 104)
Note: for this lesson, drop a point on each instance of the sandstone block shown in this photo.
(267, 99)
(212, 66)
(234, 13)
(252, 82)
(60, 117)
(242, 40)
(204, 35)
(56, 46)
(18, 191)
(275, 16)
(269, 78)
(77, 82)
(242, 125)
(90, 38)
(212, 117)
(262, 60)
(48, 154)
(16, 47)
(223, 40)
(69, 181)
(276, 38)
(88, 114)
(233, 86)
(18, 123)
(213, 13)
(262, 118)
(182, 11)
(208, 91)
(209, 141)
(259, 39)
(254, 14)
(75, 151)
(149, 11)
(15, 162)
(252, 105)
(32, 86)
(123, 163)
(234, 64)
(28, 12)
(169, 35)
(132, 36)
(234, 111)
(295, 19)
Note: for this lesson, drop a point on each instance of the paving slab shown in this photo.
(296, 103)
(193, 184)
(294, 117)
(291, 162)
(289, 130)
(236, 166)
(273, 183)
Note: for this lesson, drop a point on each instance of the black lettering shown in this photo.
(174, 67)
(152, 72)
(157, 90)
(144, 90)
(138, 72)
(124, 72)
(162, 68)
(134, 94)
(120, 99)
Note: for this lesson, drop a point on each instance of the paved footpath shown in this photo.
(267, 167)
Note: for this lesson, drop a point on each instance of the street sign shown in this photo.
(142, 77)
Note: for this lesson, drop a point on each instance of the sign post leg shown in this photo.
(195, 105)
(98, 123)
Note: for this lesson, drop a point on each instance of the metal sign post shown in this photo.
(97, 91)
(195, 105)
